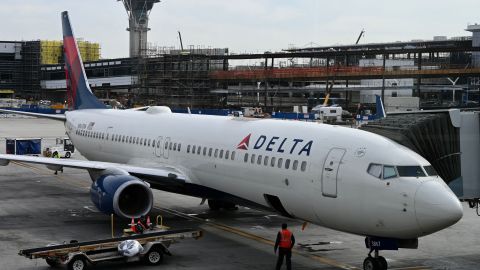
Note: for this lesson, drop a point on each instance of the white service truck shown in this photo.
(63, 148)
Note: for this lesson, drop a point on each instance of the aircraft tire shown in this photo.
(214, 205)
(382, 263)
(67, 155)
(370, 263)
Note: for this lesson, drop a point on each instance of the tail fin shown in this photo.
(79, 94)
(380, 109)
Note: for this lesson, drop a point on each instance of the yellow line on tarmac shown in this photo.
(260, 239)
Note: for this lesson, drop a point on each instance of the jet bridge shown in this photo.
(448, 139)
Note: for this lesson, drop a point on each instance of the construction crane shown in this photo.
(362, 33)
(181, 42)
(328, 91)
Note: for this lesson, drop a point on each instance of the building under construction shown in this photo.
(442, 72)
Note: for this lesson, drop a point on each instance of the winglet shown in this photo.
(79, 94)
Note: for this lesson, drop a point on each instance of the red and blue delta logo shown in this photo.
(278, 144)
(243, 145)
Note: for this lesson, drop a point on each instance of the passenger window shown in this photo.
(123, 138)
(389, 172)
(303, 167)
(295, 165)
(144, 142)
(245, 158)
(141, 140)
(149, 140)
(221, 154)
(193, 149)
(227, 154)
(198, 150)
(210, 152)
(188, 148)
(205, 151)
(175, 147)
(259, 160)
(280, 162)
(158, 143)
(233, 155)
(216, 153)
(375, 170)
(166, 145)
(252, 159)
(287, 163)
(179, 147)
(272, 162)
(170, 146)
(265, 161)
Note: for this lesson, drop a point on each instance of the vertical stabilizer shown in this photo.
(79, 94)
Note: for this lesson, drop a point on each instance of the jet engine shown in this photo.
(123, 195)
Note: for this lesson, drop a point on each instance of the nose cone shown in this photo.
(436, 207)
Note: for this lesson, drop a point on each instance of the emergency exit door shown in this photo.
(330, 172)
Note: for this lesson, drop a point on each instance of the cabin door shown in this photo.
(330, 172)
(159, 147)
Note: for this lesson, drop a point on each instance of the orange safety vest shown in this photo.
(285, 239)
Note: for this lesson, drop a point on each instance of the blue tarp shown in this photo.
(24, 146)
(298, 116)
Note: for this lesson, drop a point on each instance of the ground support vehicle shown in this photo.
(77, 255)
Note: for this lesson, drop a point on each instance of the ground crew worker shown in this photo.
(284, 243)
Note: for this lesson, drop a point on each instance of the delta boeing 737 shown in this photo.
(341, 178)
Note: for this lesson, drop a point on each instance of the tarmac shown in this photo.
(38, 208)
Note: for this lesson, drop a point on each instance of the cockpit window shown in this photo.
(410, 171)
(375, 170)
(389, 172)
(430, 170)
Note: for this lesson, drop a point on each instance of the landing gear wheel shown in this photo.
(370, 263)
(52, 262)
(77, 263)
(154, 256)
(382, 263)
(68, 155)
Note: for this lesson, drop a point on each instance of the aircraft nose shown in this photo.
(436, 207)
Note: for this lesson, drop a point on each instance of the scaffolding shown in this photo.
(51, 51)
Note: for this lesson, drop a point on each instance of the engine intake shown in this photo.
(124, 195)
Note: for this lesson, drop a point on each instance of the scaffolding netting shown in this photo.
(431, 135)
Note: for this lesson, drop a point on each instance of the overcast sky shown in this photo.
(242, 25)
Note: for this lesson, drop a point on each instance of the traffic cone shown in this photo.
(148, 221)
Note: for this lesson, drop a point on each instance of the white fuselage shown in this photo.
(326, 181)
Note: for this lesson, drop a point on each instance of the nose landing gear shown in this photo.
(376, 262)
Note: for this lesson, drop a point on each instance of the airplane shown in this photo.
(341, 178)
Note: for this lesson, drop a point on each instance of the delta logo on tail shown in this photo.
(278, 144)
(243, 145)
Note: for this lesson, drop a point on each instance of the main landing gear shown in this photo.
(216, 205)
(376, 262)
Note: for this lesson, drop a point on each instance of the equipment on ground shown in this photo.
(77, 255)
(63, 148)
(24, 146)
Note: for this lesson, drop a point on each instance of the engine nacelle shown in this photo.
(124, 195)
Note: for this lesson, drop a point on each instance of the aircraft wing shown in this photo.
(58, 117)
(165, 175)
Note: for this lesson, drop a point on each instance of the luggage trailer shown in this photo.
(76, 255)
